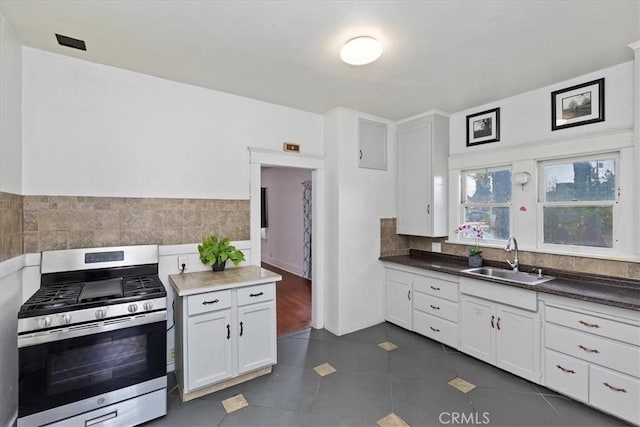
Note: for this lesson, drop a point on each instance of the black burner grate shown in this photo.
(53, 296)
(143, 285)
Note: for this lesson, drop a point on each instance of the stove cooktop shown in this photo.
(58, 298)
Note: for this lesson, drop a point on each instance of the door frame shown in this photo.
(261, 157)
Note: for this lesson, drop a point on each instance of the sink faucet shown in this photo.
(512, 245)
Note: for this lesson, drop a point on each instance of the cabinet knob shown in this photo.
(568, 371)
(588, 350)
(622, 390)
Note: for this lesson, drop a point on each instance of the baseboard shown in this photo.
(283, 265)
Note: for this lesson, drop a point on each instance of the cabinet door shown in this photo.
(414, 180)
(256, 336)
(372, 139)
(398, 301)
(518, 342)
(477, 328)
(208, 348)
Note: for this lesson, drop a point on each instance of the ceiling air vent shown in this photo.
(71, 42)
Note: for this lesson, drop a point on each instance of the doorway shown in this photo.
(266, 158)
(286, 239)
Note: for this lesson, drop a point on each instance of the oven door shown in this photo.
(75, 364)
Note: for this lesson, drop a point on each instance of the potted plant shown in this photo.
(216, 252)
(475, 253)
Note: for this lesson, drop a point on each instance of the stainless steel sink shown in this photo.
(509, 275)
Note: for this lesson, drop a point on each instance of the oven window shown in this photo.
(61, 372)
(98, 363)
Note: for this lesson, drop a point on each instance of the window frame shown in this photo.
(615, 204)
(464, 205)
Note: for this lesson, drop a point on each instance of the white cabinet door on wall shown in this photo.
(372, 143)
(423, 146)
(398, 298)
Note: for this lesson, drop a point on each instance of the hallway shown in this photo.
(293, 301)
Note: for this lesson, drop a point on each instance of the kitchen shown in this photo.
(148, 137)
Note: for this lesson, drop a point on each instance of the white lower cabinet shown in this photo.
(208, 334)
(398, 289)
(223, 335)
(592, 354)
(505, 336)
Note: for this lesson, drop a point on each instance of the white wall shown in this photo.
(526, 118)
(10, 110)
(10, 182)
(284, 243)
(357, 199)
(96, 130)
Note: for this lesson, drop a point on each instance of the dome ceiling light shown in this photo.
(361, 50)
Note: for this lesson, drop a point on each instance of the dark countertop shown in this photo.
(607, 290)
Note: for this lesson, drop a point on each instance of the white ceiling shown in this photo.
(447, 55)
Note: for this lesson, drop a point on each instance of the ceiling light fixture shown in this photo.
(361, 50)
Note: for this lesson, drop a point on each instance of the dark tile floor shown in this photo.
(370, 383)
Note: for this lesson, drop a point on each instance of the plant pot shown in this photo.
(475, 260)
(218, 267)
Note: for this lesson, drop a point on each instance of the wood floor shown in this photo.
(293, 301)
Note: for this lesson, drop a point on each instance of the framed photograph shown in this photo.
(483, 127)
(577, 105)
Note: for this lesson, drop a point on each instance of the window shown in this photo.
(487, 201)
(577, 198)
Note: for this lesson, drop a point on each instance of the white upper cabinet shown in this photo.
(372, 143)
(423, 148)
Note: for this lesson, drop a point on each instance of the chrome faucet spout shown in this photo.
(512, 245)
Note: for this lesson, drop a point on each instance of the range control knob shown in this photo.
(101, 313)
(45, 322)
(65, 318)
(148, 305)
(132, 308)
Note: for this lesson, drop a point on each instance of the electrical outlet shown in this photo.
(182, 261)
(172, 355)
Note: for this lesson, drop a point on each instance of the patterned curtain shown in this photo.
(306, 206)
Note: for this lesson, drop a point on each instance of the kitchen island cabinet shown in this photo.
(225, 328)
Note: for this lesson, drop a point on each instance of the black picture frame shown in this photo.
(577, 105)
(483, 127)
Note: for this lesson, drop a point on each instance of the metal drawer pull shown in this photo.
(589, 325)
(615, 388)
(588, 350)
(492, 319)
(241, 329)
(228, 331)
(568, 371)
(434, 329)
(210, 302)
(435, 308)
(256, 295)
(408, 294)
(498, 324)
(434, 288)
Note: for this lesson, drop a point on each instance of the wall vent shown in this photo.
(71, 42)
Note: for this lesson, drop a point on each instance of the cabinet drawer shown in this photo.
(436, 328)
(615, 393)
(209, 301)
(567, 375)
(594, 325)
(436, 306)
(436, 287)
(254, 294)
(616, 355)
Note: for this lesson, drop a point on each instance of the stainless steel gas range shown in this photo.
(92, 340)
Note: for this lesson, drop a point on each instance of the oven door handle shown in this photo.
(108, 325)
